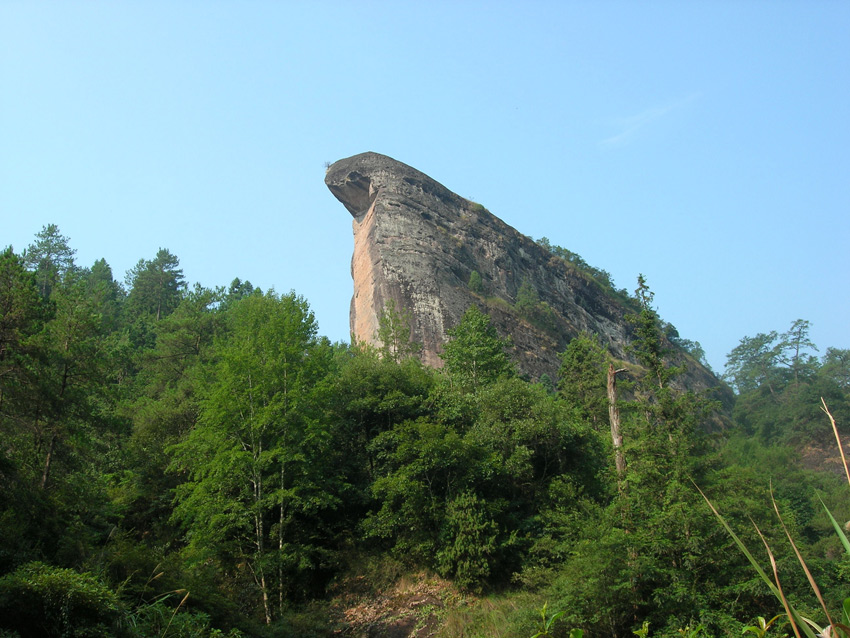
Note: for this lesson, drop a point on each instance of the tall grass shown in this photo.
(837, 622)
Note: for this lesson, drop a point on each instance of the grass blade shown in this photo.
(812, 582)
(176, 609)
(741, 545)
(837, 438)
(789, 611)
(792, 613)
(840, 532)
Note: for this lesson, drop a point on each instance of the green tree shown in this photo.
(664, 451)
(372, 394)
(21, 315)
(475, 355)
(107, 291)
(74, 373)
(465, 496)
(38, 600)
(422, 466)
(156, 286)
(529, 305)
(50, 257)
(394, 333)
(527, 299)
(475, 284)
(793, 350)
(250, 461)
(469, 541)
(772, 360)
(648, 344)
(753, 363)
(239, 289)
(836, 366)
(581, 378)
(163, 405)
(55, 412)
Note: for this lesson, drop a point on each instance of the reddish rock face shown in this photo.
(417, 243)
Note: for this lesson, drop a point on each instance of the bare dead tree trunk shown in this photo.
(614, 418)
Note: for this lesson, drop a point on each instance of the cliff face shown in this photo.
(417, 243)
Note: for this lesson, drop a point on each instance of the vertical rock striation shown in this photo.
(417, 243)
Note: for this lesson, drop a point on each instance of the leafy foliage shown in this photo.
(394, 330)
(780, 384)
(41, 600)
(475, 284)
(160, 439)
(475, 354)
(582, 378)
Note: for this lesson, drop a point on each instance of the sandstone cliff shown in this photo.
(417, 243)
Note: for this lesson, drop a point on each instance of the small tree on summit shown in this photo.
(50, 257)
(156, 286)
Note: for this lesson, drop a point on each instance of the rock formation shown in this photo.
(418, 243)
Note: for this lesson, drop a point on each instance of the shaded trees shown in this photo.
(291, 457)
(55, 404)
(642, 556)
(162, 404)
(369, 395)
(21, 314)
(463, 495)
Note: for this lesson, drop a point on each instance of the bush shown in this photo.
(40, 600)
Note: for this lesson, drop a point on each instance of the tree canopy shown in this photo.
(188, 461)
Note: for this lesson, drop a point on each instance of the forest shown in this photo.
(184, 461)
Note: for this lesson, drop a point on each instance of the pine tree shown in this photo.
(50, 257)
(155, 286)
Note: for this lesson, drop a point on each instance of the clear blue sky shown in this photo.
(704, 144)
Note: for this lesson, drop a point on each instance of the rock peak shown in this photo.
(355, 181)
(417, 243)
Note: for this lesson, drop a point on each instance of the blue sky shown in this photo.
(705, 145)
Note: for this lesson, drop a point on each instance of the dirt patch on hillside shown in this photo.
(413, 607)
